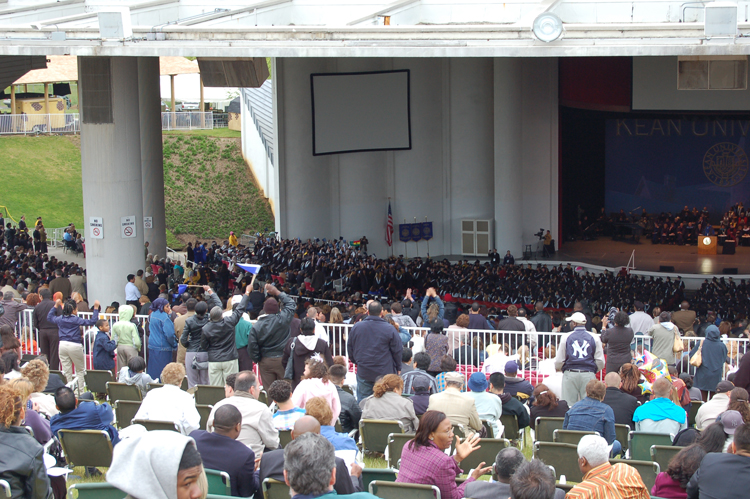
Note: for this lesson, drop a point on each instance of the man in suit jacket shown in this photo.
(272, 463)
(724, 475)
(221, 451)
(622, 404)
(684, 318)
(459, 407)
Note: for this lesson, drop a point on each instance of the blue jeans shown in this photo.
(364, 389)
(616, 449)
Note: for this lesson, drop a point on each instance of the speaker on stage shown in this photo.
(729, 246)
(666, 268)
(730, 271)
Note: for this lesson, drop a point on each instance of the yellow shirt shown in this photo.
(232, 240)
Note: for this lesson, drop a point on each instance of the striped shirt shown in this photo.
(284, 420)
(610, 482)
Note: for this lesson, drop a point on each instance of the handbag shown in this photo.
(289, 369)
(677, 346)
(697, 358)
(199, 366)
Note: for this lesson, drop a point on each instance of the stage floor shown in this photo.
(649, 257)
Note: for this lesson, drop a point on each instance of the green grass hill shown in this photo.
(208, 188)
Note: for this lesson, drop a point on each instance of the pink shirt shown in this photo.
(314, 387)
(429, 465)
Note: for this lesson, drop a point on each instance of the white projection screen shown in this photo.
(355, 112)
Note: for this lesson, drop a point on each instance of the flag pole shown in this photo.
(406, 249)
(417, 241)
(428, 241)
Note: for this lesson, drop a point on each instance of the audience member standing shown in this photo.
(161, 340)
(218, 340)
(684, 318)
(61, 284)
(640, 321)
(711, 370)
(375, 347)
(269, 335)
(617, 339)
(580, 357)
(49, 339)
(663, 335)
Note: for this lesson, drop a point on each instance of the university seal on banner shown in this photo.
(725, 164)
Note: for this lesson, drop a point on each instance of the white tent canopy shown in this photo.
(187, 88)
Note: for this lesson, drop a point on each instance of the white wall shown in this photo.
(484, 145)
(257, 159)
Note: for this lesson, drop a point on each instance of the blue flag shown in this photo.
(248, 267)
(181, 288)
(404, 232)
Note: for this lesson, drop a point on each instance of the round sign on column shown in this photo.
(96, 227)
(148, 222)
(127, 227)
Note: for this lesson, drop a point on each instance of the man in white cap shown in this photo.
(580, 356)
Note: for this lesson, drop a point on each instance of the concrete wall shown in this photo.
(257, 159)
(484, 146)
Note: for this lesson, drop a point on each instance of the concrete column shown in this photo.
(152, 157)
(112, 187)
(508, 122)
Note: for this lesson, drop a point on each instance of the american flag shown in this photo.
(389, 227)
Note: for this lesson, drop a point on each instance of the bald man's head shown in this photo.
(305, 424)
(661, 388)
(612, 380)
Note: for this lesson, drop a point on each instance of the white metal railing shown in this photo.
(539, 355)
(187, 120)
(25, 124)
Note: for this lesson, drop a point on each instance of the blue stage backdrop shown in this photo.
(664, 164)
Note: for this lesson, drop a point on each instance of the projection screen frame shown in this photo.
(408, 109)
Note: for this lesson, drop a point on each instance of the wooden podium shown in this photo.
(707, 245)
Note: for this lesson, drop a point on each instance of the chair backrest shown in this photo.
(274, 489)
(184, 385)
(204, 411)
(621, 434)
(489, 447)
(662, 454)
(396, 442)
(647, 469)
(154, 386)
(153, 425)
(60, 374)
(86, 447)
(490, 430)
(208, 395)
(125, 411)
(564, 457)
(218, 482)
(458, 431)
(545, 428)
(122, 391)
(380, 474)
(285, 436)
(393, 490)
(6, 488)
(96, 381)
(375, 433)
(569, 436)
(639, 444)
(102, 490)
(263, 397)
(510, 424)
(694, 406)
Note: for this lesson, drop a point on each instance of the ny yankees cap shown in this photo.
(578, 318)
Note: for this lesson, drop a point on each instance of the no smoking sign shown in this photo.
(127, 227)
(96, 227)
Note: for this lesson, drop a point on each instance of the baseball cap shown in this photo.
(724, 386)
(730, 420)
(478, 382)
(420, 384)
(577, 317)
(511, 367)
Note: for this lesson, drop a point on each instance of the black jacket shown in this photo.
(193, 330)
(270, 332)
(301, 354)
(451, 312)
(272, 466)
(622, 404)
(22, 464)
(40, 315)
(218, 337)
(350, 410)
(720, 476)
(375, 347)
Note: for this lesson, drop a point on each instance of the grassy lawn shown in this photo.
(42, 177)
(216, 132)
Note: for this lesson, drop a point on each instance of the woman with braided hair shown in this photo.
(21, 455)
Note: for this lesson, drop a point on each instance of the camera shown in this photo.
(540, 234)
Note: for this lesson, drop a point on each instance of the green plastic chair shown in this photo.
(393, 490)
(154, 386)
(640, 442)
(621, 434)
(564, 458)
(396, 442)
(374, 433)
(370, 475)
(208, 394)
(60, 374)
(545, 428)
(101, 490)
(96, 381)
(274, 489)
(122, 391)
(125, 411)
(285, 436)
(647, 469)
(511, 430)
(663, 454)
(263, 397)
(6, 488)
(490, 430)
(570, 436)
(153, 425)
(458, 431)
(86, 447)
(489, 447)
(693, 411)
(218, 482)
(204, 411)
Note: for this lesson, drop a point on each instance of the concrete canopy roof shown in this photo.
(354, 28)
